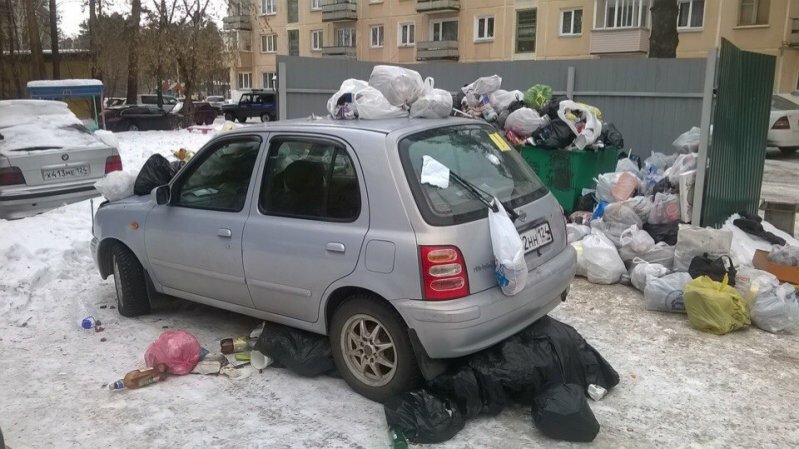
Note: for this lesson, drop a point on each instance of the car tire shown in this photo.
(242, 118)
(129, 282)
(133, 127)
(229, 117)
(356, 356)
(787, 151)
(266, 118)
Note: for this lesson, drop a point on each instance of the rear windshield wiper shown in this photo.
(481, 195)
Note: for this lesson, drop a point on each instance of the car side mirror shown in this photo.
(161, 195)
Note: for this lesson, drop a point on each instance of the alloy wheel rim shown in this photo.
(368, 350)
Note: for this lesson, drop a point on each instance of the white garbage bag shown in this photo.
(665, 209)
(622, 214)
(641, 270)
(694, 241)
(744, 245)
(572, 113)
(775, 309)
(501, 99)
(602, 262)
(511, 268)
(576, 232)
(665, 294)
(483, 86)
(581, 269)
(524, 122)
(626, 164)
(684, 164)
(641, 205)
(661, 253)
(434, 103)
(117, 185)
(372, 105)
(750, 281)
(634, 243)
(399, 85)
(687, 142)
(686, 184)
(616, 186)
(349, 86)
(612, 231)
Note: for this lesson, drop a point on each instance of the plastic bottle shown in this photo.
(140, 378)
(398, 440)
(236, 344)
(86, 315)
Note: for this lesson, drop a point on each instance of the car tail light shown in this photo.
(443, 273)
(113, 163)
(781, 123)
(10, 176)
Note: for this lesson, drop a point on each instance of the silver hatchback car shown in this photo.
(325, 226)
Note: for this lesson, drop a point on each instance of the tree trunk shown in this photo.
(13, 47)
(38, 71)
(2, 56)
(93, 39)
(133, 51)
(56, 58)
(663, 39)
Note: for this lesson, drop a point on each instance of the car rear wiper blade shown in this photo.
(481, 195)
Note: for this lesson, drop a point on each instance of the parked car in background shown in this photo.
(275, 222)
(169, 102)
(783, 128)
(204, 113)
(48, 158)
(252, 104)
(216, 101)
(139, 118)
(112, 102)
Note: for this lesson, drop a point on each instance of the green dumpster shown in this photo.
(567, 173)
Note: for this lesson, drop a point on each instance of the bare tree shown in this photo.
(12, 36)
(663, 39)
(94, 71)
(133, 55)
(55, 57)
(34, 40)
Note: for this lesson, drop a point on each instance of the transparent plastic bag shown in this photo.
(399, 85)
(349, 86)
(622, 214)
(524, 122)
(511, 268)
(684, 164)
(661, 253)
(641, 205)
(612, 231)
(687, 142)
(501, 99)
(642, 269)
(434, 103)
(775, 309)
(602, 262)
(483, 86)
(693, 241)
(372, 105)
(665, 294)
(626, 164)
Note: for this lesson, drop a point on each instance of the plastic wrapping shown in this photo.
(687, 142)
(155, 172)
(642, 270)
(372, 105)
(665, 294)
(483, 86)
(715, 307)
(692, 242)
(434, 103)
(302, 352)
(561, 411)
(583, 121)
(602, 262)
(524, 122)
(178, 349)
(785, 255)
(511, 268)
(399, 85)
(336, 103)
(423, 417)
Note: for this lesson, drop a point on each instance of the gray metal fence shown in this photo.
(651, 101)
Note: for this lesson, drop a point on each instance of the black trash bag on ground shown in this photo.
(304, 353)
(586, 203)
(155, 172)
(754, 227)
(611, 137)
(492, 395)
(461, 386)
(555, 135)
(663, 232)
(561, 411)
(423, 417)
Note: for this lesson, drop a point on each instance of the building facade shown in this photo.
(409, 31)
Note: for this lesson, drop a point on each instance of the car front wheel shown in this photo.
(372, 349)
(266, 118)
(133, 127)
(229, 117)
(129, 282)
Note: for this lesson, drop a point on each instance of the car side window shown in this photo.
(246, 99)
(313, 180)
(220, 181)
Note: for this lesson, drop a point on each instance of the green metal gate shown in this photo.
(737, 153)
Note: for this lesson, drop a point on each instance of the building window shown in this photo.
(754, 12)
(268, 80)
(571, 22)
(407, 34)
(294, 42)
(316, 40)
(444, 30)
(293, 13)
(268, 6)
(484, 28)
(526, 24)
(345, 37)
(691, 14)
(376, 39)
(621, 13)
(245, 80)
(269, 43)
(315, 5)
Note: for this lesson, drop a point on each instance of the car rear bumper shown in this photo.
(464, 326)
(20, 203)
(783, 138)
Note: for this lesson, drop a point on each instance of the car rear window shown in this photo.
(480, 156)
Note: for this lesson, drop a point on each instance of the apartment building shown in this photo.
(409, 31)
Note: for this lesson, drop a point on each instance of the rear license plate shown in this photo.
(536, 238)
(79, 171)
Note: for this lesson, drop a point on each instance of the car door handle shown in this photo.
(335, 247)
(224, 232)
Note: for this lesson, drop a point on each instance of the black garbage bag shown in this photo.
(514, 105)
(610, 136)
(423, 417)
(555, 135)
(561, 411)
(155, 172)
(550, 109)
(492, 395)
(663, 232)
(304, 353)
(586, 203)
(663, 186)
(461, 386)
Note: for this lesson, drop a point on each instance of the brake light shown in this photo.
(443, 273)
(10, 176)
(781, 123)
(113, 163)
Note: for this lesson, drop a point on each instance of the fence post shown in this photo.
(570, 83)
(704, 135)
(282, 103)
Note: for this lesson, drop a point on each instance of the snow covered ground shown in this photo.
(679, 387)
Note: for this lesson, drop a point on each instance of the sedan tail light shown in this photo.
(443, 273)
(10, 176)
(781, 123)
(113, 163)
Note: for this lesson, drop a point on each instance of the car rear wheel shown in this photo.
(242, 118)
(129, 282)
(229, 117)
(266, 118)
(371, 348)
(133, 127)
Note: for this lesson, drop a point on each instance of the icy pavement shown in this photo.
(679, 387)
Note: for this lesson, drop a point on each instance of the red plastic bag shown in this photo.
(179, 350)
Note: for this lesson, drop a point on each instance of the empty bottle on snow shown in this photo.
(140, 378)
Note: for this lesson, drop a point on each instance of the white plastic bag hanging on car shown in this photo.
(434, 103)
(399, 85)
(511, 268)
(372, 105)
(483, 86)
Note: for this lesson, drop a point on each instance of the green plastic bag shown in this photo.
(715, 306)
(537, 96)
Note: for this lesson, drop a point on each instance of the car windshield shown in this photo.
(480, 156)
(782, 104)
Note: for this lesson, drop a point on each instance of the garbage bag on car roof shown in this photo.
(155, 172)
(302, 352)
(485, 85)
(399, 85)
(340, 105)
(434, 103)
(423, 417)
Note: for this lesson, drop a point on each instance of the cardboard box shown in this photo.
(785, 273)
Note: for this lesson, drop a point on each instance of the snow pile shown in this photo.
(41, 124)
(117, 184)
(65, 83)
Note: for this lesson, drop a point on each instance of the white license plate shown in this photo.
(79, 171)
(536, 238)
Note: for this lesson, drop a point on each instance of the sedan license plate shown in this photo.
(536, 238)
(53, 174)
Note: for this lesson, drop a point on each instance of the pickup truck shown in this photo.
(252, 104)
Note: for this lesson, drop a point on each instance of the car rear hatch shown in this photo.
(456, 216)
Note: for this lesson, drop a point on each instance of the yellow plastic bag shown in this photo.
(715, 306)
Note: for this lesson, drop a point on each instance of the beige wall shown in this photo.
(551, 45)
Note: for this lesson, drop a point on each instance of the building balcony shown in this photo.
(437, 50)
(619, 41)
(341, 51)
(237, 23)
(437, 6)
(339, 10)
